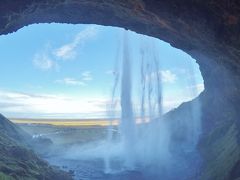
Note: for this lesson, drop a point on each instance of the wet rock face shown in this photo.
(208, 30)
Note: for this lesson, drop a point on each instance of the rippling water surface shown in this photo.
(94, 169)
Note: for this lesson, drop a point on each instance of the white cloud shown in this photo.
(68, 51)
(196, 89)
(110, 72)
(44, 62)
(87, 76)
(16, 104)
(168, 76)
(200, 87)
(71, 81)
(65, 52)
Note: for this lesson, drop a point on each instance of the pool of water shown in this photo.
(94, 169)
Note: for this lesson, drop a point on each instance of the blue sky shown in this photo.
(60, 70)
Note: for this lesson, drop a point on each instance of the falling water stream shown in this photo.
(145, 145)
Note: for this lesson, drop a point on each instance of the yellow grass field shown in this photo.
(66, 122)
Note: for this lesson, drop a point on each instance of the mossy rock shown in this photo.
(221, 151)
(18, 162)
(5, 177)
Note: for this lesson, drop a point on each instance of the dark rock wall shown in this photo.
(208, 30)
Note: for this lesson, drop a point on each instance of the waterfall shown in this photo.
(127, 123)
(143, 88)
(111, 114)
(146, 144)
(153, 136)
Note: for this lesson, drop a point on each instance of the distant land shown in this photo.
(66, 122)
(69, 122)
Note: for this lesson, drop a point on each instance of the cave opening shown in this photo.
(62, 75)
(206, 30)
